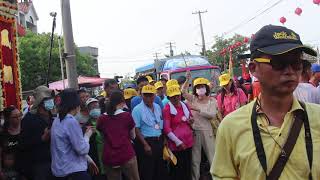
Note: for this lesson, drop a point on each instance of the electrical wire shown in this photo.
(254, 17)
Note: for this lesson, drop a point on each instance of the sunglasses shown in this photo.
(281, 63)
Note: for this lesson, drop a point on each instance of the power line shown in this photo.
(254, 17)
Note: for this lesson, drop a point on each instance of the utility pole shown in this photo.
(70, 57)
(156, 55)
(156, 64)
(201, 28)
(61, 62)
(170, 46)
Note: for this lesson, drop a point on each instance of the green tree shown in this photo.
(223, 43)
(34, 55)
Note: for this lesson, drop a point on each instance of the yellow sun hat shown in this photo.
(148, 89)
(224, 79)
(173, 90)
(150, 79)
(172, 82)
(200, 81)
(129, 93)
(158, 85)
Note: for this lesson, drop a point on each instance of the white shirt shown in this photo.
(306, 92)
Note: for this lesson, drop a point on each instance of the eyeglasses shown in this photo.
(148, 95)
(280, 63)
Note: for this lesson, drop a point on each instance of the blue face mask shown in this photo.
(95, 113)
(49, 104)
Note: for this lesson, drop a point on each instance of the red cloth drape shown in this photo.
(7, 57)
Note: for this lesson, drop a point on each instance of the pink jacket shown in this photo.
(181, 129)
(231, 103)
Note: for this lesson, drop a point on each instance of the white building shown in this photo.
(93, 52)
(27, 18)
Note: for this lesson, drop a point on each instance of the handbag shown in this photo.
(215, 122)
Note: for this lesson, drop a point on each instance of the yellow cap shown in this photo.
(173, 90)
(129, 93)
(172, 82)
(103, 93)
(199, 81)
(224, 79)
(149, 79)
(148, 89)
(158, 85)
(167, 155)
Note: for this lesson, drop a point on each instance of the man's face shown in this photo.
(160, 91)
(111, 88)
(84, 96)
(93, 105)
(148, 98)
(317, 76)
(175, 100)
(141, 84)
(276, 80)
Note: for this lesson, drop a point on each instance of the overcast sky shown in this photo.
(129, 32)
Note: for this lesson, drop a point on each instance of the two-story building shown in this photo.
(27, 18)
(93, 52)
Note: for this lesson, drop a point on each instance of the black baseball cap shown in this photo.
(277, 40)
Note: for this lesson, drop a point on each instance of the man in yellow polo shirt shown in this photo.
(252, 141)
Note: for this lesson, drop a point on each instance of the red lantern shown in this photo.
(283, 20)
(224, 50)
(298, 11)
(317, 2)
(245, 40)
(239, 43)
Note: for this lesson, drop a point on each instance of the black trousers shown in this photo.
(152, 167)
(82, 175)
(181, 171)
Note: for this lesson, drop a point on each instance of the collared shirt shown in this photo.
(165, 100)
(146, 130)
(236, 154)
(306, 92)
(137, 100)
(68, 147)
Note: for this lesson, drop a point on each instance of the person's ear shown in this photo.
(253, 68)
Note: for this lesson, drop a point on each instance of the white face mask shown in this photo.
(201, 91)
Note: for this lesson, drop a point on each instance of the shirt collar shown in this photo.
(295, 106)
(118, 111)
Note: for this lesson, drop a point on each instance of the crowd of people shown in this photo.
(250, 129)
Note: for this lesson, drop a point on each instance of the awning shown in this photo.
(83, 81)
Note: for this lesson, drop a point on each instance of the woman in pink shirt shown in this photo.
(230, 98)
(177, 120)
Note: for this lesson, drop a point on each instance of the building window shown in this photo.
(31, 20)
